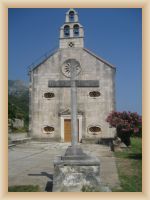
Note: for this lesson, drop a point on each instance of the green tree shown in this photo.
(18, 107)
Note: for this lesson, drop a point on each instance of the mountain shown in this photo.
(16, 87)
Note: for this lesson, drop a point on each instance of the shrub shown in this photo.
(126, 124)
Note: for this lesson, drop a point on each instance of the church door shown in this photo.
(67, 130)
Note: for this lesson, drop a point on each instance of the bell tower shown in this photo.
(71, 32)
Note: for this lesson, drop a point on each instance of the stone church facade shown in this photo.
(50, 117)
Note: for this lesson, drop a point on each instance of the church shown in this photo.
(49, 107)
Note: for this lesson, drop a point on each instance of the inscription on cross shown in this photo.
(73, 68)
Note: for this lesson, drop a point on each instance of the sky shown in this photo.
(113, 34)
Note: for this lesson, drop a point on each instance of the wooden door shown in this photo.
(67, 130)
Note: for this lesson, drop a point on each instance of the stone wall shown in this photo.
(45, 111)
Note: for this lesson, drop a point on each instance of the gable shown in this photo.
(42, 60)
(77, 53)
(99, 58)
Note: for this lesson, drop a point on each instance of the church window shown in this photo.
(94, 94)
(94, 130)
(49, 95)
(76, 30)
(71, 16)
(66, 31)
(48, 129)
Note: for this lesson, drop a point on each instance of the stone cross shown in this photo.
(73, 84)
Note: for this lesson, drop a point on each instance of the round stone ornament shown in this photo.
(66, 67)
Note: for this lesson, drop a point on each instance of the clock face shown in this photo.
(66, 67)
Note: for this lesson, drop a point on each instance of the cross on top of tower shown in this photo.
(71, 32)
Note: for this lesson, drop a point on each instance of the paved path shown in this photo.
(32, 163)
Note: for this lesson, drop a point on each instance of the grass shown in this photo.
(24, 188)
(87, 188)
(129, 164)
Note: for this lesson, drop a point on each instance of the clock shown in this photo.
(66, 67)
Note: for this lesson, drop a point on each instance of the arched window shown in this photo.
(66, 31)
(71, 16)
(76, 30)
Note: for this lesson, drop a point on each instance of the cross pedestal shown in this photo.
(74, 172)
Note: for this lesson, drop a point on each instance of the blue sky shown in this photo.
(113, 34)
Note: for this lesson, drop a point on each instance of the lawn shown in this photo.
(24, 188)
(129, 164)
